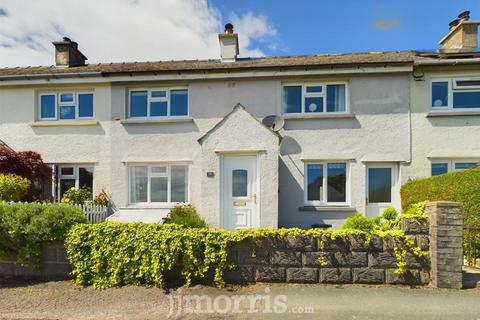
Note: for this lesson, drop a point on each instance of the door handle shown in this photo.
(254, 198)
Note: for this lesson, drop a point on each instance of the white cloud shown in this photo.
(121, 30)
(252, 27)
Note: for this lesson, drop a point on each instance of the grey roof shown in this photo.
(284, 62)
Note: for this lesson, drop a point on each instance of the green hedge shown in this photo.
(112, 254)
(25, 228)
(461, 186)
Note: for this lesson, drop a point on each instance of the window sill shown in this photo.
(155, 121)
(318, 116)
(148, 207)
(64, 123)
(452, 113)
(327, 209)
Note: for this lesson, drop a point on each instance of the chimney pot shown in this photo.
(67, 53)
(229, 28)
(464, 16)
(453, 24)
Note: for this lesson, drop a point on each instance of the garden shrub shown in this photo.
(25, 228)
(76, 196)
(13, 187)
(113, 254)
(360, 222)
(388, 219)
(460, 186)
(185, 215)
(102, 198)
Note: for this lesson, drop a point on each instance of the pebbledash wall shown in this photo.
(348, 259)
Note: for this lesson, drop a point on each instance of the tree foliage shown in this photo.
(26, 164)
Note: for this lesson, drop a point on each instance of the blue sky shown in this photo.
(153, 30)
(309, 27)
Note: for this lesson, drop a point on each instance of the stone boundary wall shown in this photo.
(55, 265)
(349, 259)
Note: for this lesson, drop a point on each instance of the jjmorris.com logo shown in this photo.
(181, 304)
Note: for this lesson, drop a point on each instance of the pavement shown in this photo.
(62, 300)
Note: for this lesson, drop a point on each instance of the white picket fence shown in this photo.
(93, 213)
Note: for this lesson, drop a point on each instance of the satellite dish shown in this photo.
(274, 122)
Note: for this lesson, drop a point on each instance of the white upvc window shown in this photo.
(74, 176)
(326, 183)
(158, 183)
(66, 105)
(158, 103)
(455, 94)
(439, 167)
(314, 98)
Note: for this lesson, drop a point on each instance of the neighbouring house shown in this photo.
(349, 129)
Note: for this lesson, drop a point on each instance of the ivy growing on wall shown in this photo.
(112, 254)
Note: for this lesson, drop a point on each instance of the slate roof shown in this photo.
(283, 62)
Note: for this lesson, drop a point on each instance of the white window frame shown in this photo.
(150, 175)
(75, 176)
(325, 203)
(67, 103)
(77, 106)
(452, 88)
(59, 104)
(40, 106)
(323, 94)
(452, 162)
(158, 99)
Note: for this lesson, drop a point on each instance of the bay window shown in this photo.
(314, 98)
(158, 184)
(454, 94)
(66, 105)
(326, 183)
(157, 103)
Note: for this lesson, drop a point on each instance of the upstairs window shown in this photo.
(314, 98)
(157, 103)
(326, 183)
(66, 106)
(455, 94)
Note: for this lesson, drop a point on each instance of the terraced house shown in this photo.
(273, 141)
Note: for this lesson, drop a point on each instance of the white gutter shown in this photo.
(447, 61)
(109, 78)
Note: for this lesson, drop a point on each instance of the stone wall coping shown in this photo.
(444, 204)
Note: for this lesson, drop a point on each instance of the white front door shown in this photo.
(381, 188)
(239, 192)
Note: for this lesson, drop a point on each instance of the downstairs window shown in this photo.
(444, 166)
(70, 176)
(158, 184)
(326, 183)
